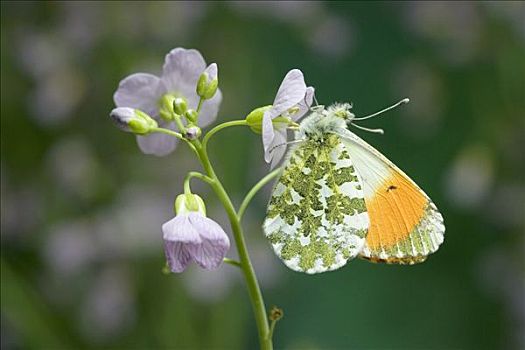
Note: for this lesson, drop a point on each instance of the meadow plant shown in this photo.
(163, 111)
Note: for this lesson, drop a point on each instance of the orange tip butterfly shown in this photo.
(338, 198)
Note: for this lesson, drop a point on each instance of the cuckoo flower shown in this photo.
(191, 236)
(292, 101)
(149, 93)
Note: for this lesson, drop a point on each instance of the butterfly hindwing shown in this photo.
(317, 218)
(405, 225)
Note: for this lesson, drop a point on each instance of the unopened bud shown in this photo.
(208, 82)
(166, 107)
(133, 120)
(191, 115)
(193, 133)
(254, 119)
(180, 105)
(276, 314)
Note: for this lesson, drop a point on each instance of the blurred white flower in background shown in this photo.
(455, 29)
(327, 34)
(57, 96)
(507, 205)
(82, 24)
(40, 53)
(210, 286)
(131, 226)
(423, 116)
(128, 228)
(21, 209)
(295, 12)
(175, 21)
(108, 308)
(59, 87)
(74, 167)
(71, 247)
(332, 37)
(511, 11)
(470, 177)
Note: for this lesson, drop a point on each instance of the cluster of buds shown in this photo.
(145, 102)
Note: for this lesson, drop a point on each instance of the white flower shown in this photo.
(292, 101)
(193, 237)
(180, 73)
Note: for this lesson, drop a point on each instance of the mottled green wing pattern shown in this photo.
(316, 219)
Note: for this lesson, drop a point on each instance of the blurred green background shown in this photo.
(81, 248)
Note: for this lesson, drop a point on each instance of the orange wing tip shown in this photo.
(424, 239)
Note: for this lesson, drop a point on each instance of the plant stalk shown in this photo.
(254, 290)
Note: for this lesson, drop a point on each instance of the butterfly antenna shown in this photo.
(377, 131)
(285, 143)
(403, 101)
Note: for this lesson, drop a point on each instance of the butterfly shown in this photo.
(338, 198)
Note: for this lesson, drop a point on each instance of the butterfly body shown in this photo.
(339, 198)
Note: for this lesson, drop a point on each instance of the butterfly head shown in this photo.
(323, 121)
(341, 111)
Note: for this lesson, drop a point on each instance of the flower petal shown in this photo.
(180, 229)
(209, 109)
(138, 91)
(215, 242)
(304, 105)
(267, 135)
(278, 147)
(181, 71)
(156, 143)
(291, 92)
(211, 70)
(177, 255)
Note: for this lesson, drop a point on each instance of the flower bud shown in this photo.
(208, 82)
(180, 105)
(132, 120)
(166, 107)
(193, 132)
(254, 119)
(191, 115)
(189, 202)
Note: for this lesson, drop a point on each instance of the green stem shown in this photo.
(272, 327)
(219, 127)
(169, 132)
(175, 134)
(231, 262)
(177, 120)
(201, 100)
(254, 190)
(254, 290)
(197, 175)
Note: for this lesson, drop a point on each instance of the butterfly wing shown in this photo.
(405, 226)
(316, 218)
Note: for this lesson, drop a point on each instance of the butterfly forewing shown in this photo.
(405, 225)
(317, 217)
